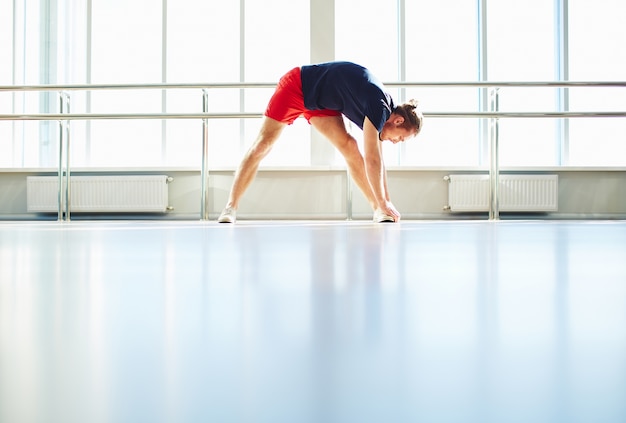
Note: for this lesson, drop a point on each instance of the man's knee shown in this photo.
(267, 137)
(260, 149)
(346, 144)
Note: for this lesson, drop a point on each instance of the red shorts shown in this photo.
(287, 103)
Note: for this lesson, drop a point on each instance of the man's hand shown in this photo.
(388, 208)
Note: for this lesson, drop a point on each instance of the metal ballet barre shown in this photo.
(493, 115)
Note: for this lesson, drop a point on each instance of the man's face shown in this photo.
(396, 133)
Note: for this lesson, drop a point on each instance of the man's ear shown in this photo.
(399, 120)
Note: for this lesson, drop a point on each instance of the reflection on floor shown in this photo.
(313, 322)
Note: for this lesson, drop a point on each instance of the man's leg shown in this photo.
(334, 128)
(268, 134)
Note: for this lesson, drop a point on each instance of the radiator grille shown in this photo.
(519, 193)
(113, 194)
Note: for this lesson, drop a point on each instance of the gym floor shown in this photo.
(455, 321)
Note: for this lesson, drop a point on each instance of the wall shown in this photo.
(323, 193)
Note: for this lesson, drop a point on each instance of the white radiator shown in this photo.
(113, 194)
(518, 193)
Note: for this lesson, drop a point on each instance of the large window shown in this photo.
(199, 32)
(205, 41)
(126, 48)
(516, 53)
(438, 49)
(597, 35)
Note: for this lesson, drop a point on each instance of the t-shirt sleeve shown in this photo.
(378, 112)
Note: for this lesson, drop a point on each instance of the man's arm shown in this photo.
(375, 168)
(385, 181)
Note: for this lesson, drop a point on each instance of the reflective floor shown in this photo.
(313, 322)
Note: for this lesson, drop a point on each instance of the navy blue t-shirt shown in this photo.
(349, 88)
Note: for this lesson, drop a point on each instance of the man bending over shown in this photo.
(322, 93)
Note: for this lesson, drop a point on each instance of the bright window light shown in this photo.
(597, 53)
(199, 41)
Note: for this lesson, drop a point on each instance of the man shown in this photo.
(322, 93)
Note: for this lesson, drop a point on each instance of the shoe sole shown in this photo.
(385, 220)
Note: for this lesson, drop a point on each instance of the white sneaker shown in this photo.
(380, 217)
(229, 215)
